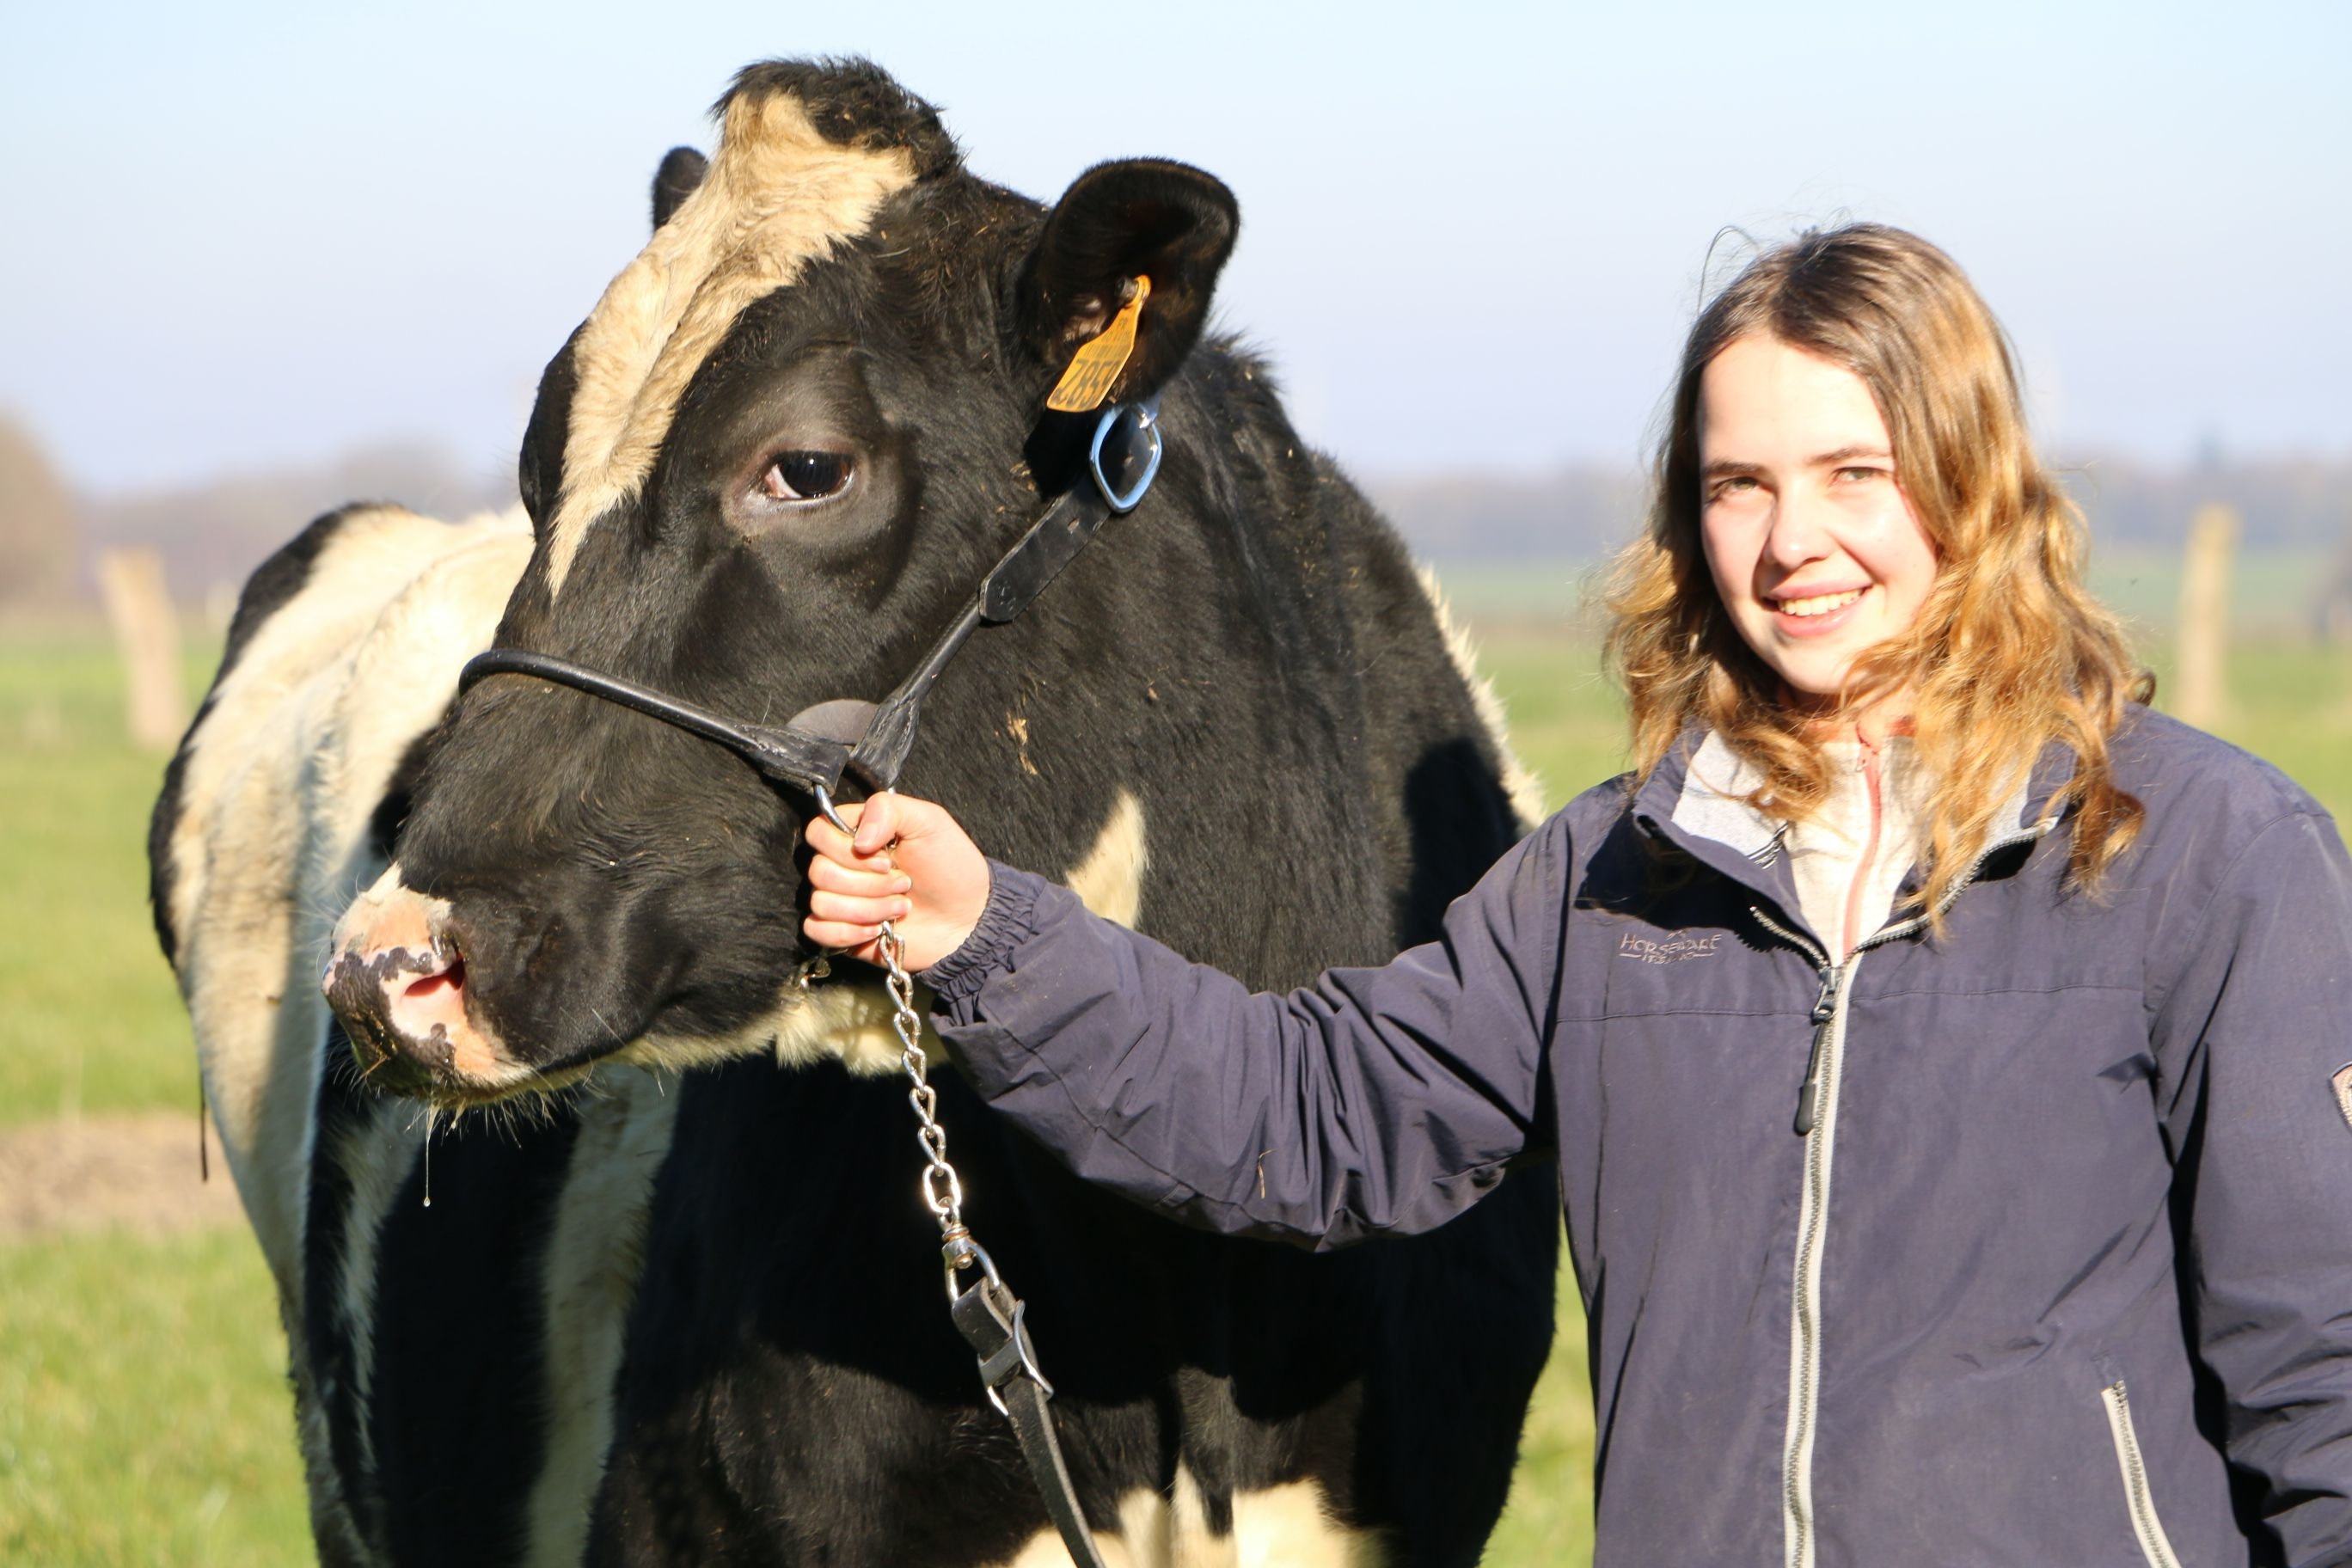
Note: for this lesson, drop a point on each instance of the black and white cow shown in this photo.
(662, 1315)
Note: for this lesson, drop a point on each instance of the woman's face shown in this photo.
(1812, 545)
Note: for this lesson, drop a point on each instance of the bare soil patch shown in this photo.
(134, 1171)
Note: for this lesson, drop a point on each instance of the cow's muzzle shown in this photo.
(396, 978)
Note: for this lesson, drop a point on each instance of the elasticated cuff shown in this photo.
(1006, 921)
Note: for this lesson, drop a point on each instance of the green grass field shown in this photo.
(142, 1414)
(92, 1021)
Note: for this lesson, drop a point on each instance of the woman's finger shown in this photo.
(877, 824)
(824, 838)
(857, 940)
(826, 872)
(830, 843)
(853, 909)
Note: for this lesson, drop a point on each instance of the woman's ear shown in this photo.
(1141, 218)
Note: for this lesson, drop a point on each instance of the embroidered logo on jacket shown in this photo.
(1671, 948)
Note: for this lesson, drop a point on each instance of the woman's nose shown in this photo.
(1798, 534)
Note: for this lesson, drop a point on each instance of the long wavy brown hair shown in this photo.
(2008, 653)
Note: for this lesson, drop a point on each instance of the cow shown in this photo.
(593, 1207)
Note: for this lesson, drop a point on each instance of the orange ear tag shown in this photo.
(1100, 358)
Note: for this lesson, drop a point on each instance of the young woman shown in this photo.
(1949, 1061)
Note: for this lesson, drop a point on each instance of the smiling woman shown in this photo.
(1847, 421)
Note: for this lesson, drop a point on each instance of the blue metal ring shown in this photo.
(1146, 417)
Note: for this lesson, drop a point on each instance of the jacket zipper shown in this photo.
(1816, 1121)
(1824, 1013)
(2154, 1545)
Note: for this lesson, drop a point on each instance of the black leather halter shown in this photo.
(820, 744)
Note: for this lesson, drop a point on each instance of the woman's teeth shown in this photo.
(1820, 603)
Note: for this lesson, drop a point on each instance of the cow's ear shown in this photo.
(1145, 217)
(680, 173)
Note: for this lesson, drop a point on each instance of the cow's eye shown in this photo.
(806, 476)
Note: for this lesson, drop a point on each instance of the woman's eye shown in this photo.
(1738, 484)
(1859, 476)
(806, 476)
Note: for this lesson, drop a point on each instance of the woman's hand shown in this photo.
(909, 864)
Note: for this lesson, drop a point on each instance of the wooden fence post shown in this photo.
(148, 634)
(2204, 628)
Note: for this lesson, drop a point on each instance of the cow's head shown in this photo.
(764, 473)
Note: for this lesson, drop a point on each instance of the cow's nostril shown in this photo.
(429, 1010)
(452, 979)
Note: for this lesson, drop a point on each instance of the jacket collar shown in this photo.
(1692, 803)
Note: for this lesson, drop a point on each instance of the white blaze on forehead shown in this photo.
(777, 197)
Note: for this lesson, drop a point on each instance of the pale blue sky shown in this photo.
(1473, 234)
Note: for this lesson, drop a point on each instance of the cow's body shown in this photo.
(695, 1316)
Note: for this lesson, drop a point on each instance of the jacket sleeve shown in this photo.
(1375, 1100)
(2252, 1038)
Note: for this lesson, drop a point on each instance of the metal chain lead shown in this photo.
(942, 1188)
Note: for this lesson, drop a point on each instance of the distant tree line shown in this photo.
(211, 535)
(39, 530)
(2284, 502)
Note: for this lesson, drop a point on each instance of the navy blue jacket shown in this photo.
(2068, 1243)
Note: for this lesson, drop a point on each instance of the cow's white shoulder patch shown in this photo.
(1525, 791)
(280, 779)
(1109, 880)
(777, 196)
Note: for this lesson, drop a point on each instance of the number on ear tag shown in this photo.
(1096, 366)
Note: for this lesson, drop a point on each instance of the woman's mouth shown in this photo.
(1815, 614)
